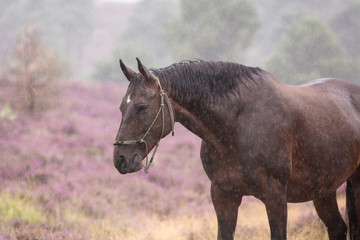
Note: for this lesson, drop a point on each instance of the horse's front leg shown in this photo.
(275, 201)
(226, 208)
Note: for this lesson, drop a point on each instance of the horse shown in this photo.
(260, 137)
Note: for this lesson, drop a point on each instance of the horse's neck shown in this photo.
(196, 117)
(197, 112)
(191, 120)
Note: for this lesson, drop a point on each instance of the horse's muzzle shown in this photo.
(124, 166)
(121, 164)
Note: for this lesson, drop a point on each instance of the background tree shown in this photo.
(162, 32)
(308, 50)
(212, 30)
(31, 73)
(346, 25)
(276, 16)
(65, 25)
(141, 38)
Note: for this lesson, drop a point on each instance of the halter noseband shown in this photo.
(163, 96)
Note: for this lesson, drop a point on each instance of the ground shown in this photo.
(57, 180)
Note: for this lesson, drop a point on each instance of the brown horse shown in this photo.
(261, 137)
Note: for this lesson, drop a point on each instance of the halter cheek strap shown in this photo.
(163, 99)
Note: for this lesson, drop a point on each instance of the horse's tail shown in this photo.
(351, 211)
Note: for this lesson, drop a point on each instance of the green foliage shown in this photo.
(7, 113)
(277, 16)
(311, 50)
(140, 39)
(21, 208)
(205, 29)
(347, 25)
(212, 30)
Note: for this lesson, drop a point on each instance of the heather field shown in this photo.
(57, 180)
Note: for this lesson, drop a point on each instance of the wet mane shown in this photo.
(205, 81)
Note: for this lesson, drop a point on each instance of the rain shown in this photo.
(61, 88)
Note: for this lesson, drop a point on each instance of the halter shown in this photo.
(163, 96)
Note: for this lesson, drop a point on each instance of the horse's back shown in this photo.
(330, 94)
(334, 85)
(339, 96)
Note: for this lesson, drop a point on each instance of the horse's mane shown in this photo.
(205, 81)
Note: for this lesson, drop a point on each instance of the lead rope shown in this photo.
(163, 96)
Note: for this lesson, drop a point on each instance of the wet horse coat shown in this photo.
(261, 137)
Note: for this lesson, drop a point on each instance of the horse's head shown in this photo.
(144, 122)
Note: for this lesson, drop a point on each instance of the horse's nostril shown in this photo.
(120, 163)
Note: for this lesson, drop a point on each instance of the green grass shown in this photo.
(73, 224)
(14, 206)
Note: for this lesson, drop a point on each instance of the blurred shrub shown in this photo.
(31, 74)
(212, 30)
(273, 26)
(346, 25)
(20, 208)
(109, 69)
(308, 50)
(7, 113)
(67, 24)
(142, 38)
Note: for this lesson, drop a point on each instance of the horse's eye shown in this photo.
(142, 109)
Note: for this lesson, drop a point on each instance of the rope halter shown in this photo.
(163, 99)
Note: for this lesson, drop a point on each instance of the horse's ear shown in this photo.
(145, 72)
(129, 74)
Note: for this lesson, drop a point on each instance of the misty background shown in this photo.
(295, 40)
(61, 85)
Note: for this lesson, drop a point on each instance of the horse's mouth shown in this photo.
(137, 163)
(134, 165)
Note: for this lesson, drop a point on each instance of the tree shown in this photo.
(212, 30)
(277, 16)
(347, 25)
(31, 74)
(308, 50)
(141, 38)
(66, 25)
